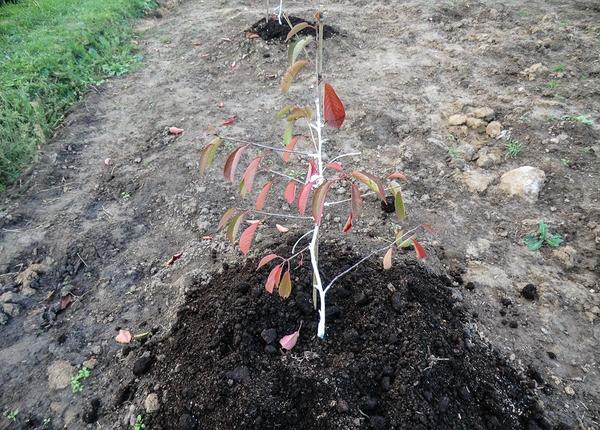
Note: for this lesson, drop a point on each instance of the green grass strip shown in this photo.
(50, 51)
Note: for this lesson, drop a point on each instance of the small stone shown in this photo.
(458, 119)
(151, 404)
(529, 291)
(485, 113)
(59, 375)
(269, 335)
(342, 406)
(361, 299)
(567, 255)
(377, 422)
(477, 181)
(397, 302)
(90, 363)
(551, 355)
(477, 124)
(525, 182)
(11, 309)
(137, 160)
(569, 390)
(493, 129)
(10, 297)
(488, 157)
(3, 318)
(535, 70)
(142, 365)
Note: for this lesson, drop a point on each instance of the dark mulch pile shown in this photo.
(398, 355)
(272, 30)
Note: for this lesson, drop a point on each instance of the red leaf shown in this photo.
(266, 260)
(175, 131)
(318, 202)
(398, 175)
(289, 341)
(303, 197)
(348, 226)
(230, 120)
(123, 337)
(249, 174)
(173, 259)
(251, 35)
(335, 166)
(262, 196)
(290, 147)
(419, 249)
(312, 170)
(356, 201)
(273, 278)
(247, 237)
(290, 192)
(231, 163)
(229, 213)
(333, 108)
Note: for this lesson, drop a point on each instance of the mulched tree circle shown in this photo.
(274, 31)
(399, 354)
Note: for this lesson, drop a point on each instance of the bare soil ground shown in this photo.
(100, 232)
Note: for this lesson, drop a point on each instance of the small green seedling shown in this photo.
(139, 423)
(559, 68)
(552, 85)
(125, 195)
(513, 148)
(453, 152)
(583, 119)
(11, 415)
(535, 242)
(76, 380)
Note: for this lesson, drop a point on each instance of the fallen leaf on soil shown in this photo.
(175, 131)
(289, 341)
(230, 121)
(251, 35)
(173, 259)
(281, 228)
(387, 259)
(123, 337)
(207, 237)
(65, 301)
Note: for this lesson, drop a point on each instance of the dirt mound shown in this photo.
(399, 354)
(273, 30)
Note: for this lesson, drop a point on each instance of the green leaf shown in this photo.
(284, 111)
(543, 229)
(399, 205)
(288, 132)
(554, 240)
(298, 47)
(533, 243)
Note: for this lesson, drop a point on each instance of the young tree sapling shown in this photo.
(320, 176)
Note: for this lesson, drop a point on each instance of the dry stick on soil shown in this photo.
(319, 178)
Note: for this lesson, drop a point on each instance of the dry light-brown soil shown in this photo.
(483, 334)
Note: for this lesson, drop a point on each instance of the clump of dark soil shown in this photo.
(399, 353)
(273, 30)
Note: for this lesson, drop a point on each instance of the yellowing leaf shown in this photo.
(298, 47)
(297, 29)
(208, 153)
(291, 74)
(285, 286)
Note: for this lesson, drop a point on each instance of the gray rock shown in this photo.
(484, 113)
(151, 404)
(489, 157)
(3, 318)
(269, 335)
(477, 181)
(493, 129)
(477, 124)
(11, 309)
(567, 255)
(59, 375)
(458, 119)
(525, 182)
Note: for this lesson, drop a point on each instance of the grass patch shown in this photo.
(50, 51)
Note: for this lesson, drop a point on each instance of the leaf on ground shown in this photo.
(123, 337)
(175, 131)
(230, 121)
(387, 259)
(173, 259)
(281, 228)
(289, 341)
